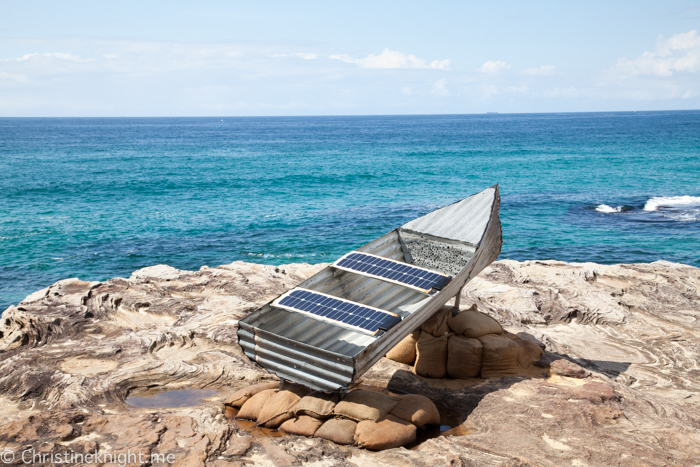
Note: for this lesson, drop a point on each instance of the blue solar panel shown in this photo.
(348, 313)
(396, 271)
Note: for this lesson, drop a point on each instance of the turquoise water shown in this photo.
(98, 198)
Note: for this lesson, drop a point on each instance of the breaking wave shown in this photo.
(672, 202)
(608, 209)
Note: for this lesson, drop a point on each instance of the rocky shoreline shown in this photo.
(618, 385)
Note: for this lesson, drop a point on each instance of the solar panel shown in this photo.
(393, 271)
(350, 314)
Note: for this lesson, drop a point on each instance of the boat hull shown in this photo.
(461, 239)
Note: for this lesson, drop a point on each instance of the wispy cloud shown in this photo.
(440, 88)
(12, 77)
(304, 55)
(679, 53)
(494, 67)
(546, 70)
(56, 55)
(393, 59)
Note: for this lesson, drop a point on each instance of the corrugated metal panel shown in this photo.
(464, 220)
(328, 357)
(295, 361)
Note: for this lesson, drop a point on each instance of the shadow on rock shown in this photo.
(454, 403)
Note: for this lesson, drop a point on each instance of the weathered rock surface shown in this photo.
(618, 384)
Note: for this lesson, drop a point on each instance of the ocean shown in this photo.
(96, 198)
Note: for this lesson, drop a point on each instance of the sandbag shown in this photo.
(338, 430)
(436, 325)
(390, 432)
(528, 352)
(500, 356)
(472, 323)
(302, 426)
(278, 409)
(463, 357)
(365, 405)
(317, 404)
(238, 398)
(416, 409)
(431, 356)
(251, 408)
(405, 351)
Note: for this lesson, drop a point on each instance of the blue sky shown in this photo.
(155, 58)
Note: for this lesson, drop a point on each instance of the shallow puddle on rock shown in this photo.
(435, 431)
(450, 425)
(249, 426)
(170, 399)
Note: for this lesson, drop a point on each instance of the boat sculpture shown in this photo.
(330, 329)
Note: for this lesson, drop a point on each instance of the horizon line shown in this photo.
(361, 115)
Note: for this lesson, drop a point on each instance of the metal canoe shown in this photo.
(459, 240)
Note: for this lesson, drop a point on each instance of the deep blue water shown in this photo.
(97, 198)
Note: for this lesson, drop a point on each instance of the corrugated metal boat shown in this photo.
(310, 335)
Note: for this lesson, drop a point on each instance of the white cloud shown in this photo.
(679, 53)
(406, 91)
(304, 55)
(494, 67)
(58, 55)
(440, 88)
(546, 70)
(12, 77)
(394, 59)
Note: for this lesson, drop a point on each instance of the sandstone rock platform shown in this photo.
(618, 385)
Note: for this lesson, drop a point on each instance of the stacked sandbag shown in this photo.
(250, 410)
(302, 426)
(317, 404)
(500, 356)
(405, 351)
(309, 413)
(417, 409)
(362, 405)
(238, 398)
(280, 406)
(464, 356)
(466, 345)
(338, 430)
(431, 356)
(389, 432)
(472, 323)
(369, 419)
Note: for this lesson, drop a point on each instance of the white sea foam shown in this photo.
(285, 255)
(676, 202)
(689, 217)
(608, 209)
